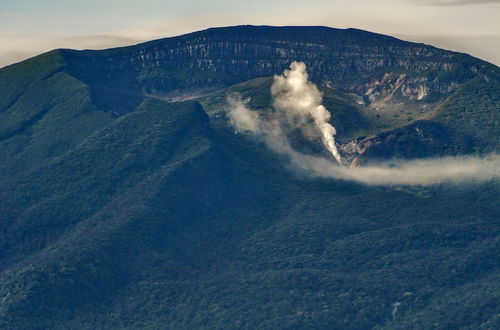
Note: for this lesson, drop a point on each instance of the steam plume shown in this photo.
(297, 102)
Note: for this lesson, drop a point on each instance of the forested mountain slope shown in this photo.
(128, 201)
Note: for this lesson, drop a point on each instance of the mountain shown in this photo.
(128, 201)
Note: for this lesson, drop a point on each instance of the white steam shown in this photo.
(423, 172)
(299, 101)
(297, 105)
(243, 119)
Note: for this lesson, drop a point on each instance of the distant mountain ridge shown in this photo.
(348, 59)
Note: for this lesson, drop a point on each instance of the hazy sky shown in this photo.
(29, 27)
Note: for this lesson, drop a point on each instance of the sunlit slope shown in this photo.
(44, 112)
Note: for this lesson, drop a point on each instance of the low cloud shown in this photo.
(21, 47)
(423, 172)
(274, 127)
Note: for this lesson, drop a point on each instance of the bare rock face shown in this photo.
(375, 68)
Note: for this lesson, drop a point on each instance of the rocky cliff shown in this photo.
(375, 68)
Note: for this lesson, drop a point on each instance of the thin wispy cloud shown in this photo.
(26, 46)
(459, 2)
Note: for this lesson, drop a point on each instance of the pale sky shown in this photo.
(30, 27)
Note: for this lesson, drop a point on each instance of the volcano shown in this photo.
(128, 200)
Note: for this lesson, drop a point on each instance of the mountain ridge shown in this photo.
(388, 92)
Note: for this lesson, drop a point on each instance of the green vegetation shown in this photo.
(123, 211)
(475, 110)
(15, 79)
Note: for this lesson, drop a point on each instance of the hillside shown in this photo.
(128, 201)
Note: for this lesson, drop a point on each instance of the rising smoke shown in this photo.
(297, 105)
